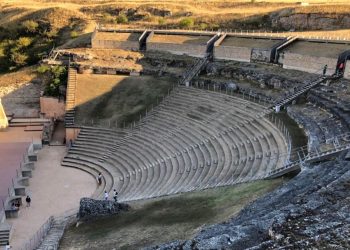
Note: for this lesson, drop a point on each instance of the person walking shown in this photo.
(8, 246)
(99, 179)
(115, 195)
(106, 195)
(325, 69)
(28, 200)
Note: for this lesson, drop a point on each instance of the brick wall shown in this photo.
(110, 44)
(241, 54)
(311, 64)
(52, 108)
(178, 49)
(347, 70)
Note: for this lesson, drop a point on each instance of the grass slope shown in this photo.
(156, 221)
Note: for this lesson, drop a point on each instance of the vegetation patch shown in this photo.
(156, 221)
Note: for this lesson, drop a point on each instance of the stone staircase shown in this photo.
(296, 94)
(70, 101)
(193, 71)
(4, 233)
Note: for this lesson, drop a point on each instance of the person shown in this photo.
(99, 179)
(14, 207)
(7, 246)
(115, 195)
(341, 67)
(106, 195)
(325, 69)
(28, 200)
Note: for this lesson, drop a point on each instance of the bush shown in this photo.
(18, 58)
(73, 34)
(30, 26)
(42, 69)
(122, 18)
(186, 22)
(161, 21)
(23, 42)
(107, 18)
(203, 26)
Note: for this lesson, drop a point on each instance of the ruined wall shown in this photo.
(110, 44)
(347, 70)
(311, 64)
(178, 49)
(72, 134)
(52, 107)
(3, 119)
(260, 55)
(241, 54)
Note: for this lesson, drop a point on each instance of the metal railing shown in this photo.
(38, 236)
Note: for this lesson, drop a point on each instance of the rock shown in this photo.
(281, 220)
(90, 208)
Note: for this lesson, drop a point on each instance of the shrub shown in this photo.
(23, 42)
(30, 26)
(42, 69)
(203, 26)
(122, 18)
(161, 21)
(73, 34)
(107, 18)
(186, 22)
(18, 58)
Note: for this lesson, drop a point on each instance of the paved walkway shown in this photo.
(54, 189)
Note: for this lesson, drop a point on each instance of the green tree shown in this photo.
(186, 22)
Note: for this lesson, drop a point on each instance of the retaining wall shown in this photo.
(347, 70)
(307, 63)
(52, 107)
(178, 49)
(110, 44)
(241, 54)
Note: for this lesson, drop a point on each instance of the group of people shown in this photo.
(17, 204)
(99, 179)
(115, 195)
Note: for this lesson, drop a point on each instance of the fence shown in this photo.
(317, 35)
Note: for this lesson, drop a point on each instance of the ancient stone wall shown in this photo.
(347, 70)
(311, 64)
(260, 55)
(178, 49)
(52, 107)
(241, 54)
(110, 44)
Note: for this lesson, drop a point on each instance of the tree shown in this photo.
(30, 26)
(186, 22)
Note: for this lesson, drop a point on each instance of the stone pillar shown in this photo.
(3, 118)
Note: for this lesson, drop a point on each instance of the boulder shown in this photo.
(91, 208)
